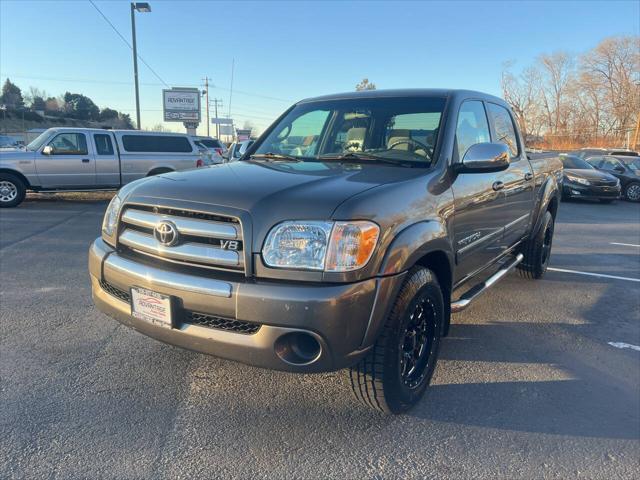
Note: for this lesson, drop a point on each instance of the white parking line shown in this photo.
(625, 244)
(602, 275)
(624, 345)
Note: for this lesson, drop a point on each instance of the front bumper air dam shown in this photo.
(337, 316)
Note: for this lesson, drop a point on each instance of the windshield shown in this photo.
(576, 163)
(39, 140)
(210, 143)
(632, 162)
(362, 130)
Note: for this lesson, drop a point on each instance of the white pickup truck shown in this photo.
(76, 159)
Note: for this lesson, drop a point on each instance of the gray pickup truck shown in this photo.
(78, 159)
(343, 238)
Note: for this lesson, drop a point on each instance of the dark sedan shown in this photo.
(582, 180)
(623, 167)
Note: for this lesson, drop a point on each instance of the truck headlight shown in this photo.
(582, 181)
(317, 245)
(110, 221)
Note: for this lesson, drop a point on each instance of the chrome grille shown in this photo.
(203, 239)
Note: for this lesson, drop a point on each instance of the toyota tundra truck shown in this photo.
(344, 238)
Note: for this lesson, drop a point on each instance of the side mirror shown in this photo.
(618, 169)
(48, 150)
(485, 158)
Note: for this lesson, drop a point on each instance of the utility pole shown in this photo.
(217, 102)
(233, 64)
(142, 7)
(206, 86)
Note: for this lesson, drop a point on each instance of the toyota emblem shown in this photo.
(166, 233)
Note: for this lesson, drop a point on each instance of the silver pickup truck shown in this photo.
(73, 159)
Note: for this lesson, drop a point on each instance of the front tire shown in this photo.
(537, 250)
(395, 374)
(632, 192)
(12, 190)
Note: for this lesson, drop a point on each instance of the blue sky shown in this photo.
(285, 51)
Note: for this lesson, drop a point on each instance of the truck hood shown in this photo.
(272, 191)
(17, 154)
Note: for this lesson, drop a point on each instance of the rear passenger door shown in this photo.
(69, 164)
(478, 220)
(517, 180)
(107, 161)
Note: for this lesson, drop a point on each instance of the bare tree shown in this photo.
(521, 93)
(613, 68)
(594, 100)
(556, 74)
(365, 84)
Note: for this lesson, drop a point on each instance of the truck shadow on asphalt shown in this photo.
(547, 381)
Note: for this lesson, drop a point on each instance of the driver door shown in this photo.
(66, 161)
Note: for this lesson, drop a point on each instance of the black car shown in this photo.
(582, 180)
(625, 168)
(585, 153)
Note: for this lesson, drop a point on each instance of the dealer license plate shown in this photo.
(150, 306)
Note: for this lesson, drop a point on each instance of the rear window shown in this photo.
(211, 143)
(156, 143)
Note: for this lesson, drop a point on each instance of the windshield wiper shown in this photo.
(276, 156)
(367, 157)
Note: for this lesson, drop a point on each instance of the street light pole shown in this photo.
(142, 7)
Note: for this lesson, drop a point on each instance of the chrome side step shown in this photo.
(469, 296)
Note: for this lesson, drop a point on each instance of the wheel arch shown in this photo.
(15, 173)
(159, 170)
(547, 200)
(426, 244)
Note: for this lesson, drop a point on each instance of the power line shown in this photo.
(151, 84)
(126, 42)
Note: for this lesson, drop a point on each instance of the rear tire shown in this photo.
(395, 374)
(632, 192)
(537, 250)
(12, 190)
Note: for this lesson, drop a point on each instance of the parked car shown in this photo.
(341, 254)
(237, 149)
(217, 149)
(591, 152)
(67, 159)
(581, 180)
(626, 168)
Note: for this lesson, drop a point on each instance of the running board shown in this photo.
(465, 300)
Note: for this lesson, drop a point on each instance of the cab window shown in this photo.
(104, 146)
(503, 127)
(69, 144)
(472, 126)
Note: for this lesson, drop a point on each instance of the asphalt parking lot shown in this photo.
(527, 384)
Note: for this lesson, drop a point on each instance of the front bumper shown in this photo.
(576, 190)
(338, 316)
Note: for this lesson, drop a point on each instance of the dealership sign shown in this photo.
(181, 105)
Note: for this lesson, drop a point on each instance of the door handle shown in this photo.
(528, 176)
(85, 160)
(498, 186)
